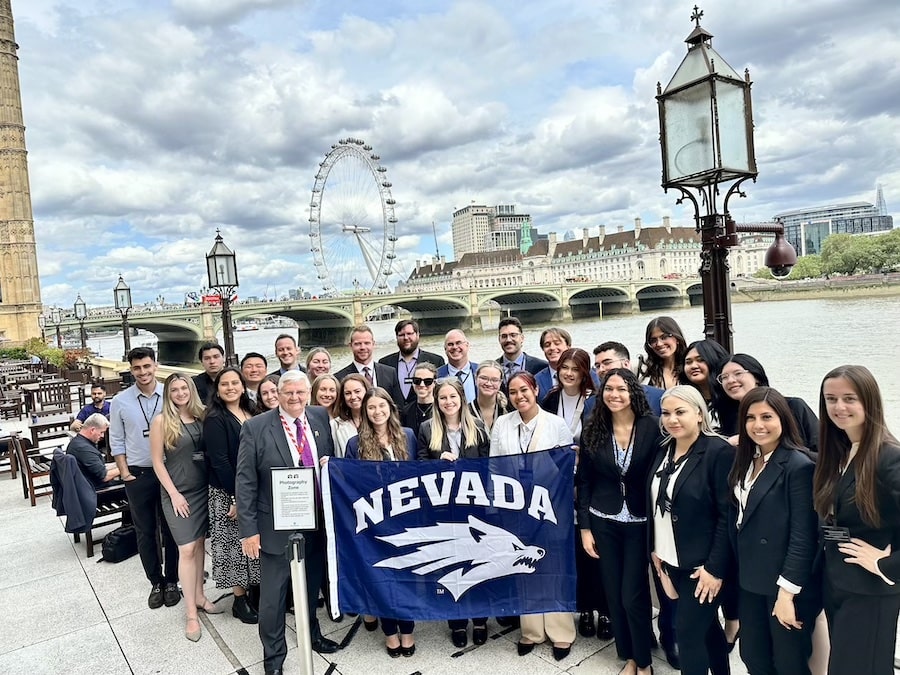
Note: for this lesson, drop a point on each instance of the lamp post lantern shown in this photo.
(81, 315)
(122, 298)
(706, 137)
(56, 319)
(221, 268)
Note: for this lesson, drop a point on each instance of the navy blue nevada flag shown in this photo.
(452, 540)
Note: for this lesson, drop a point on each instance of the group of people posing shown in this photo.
(690, 465)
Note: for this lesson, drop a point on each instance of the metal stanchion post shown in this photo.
(295, 553)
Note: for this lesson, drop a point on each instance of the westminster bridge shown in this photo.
(329, 321)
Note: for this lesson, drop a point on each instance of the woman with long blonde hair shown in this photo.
(179, 462)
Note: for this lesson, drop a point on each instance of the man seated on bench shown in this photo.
(90, 458)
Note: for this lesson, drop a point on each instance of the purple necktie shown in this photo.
(306, 456)
(367, 373)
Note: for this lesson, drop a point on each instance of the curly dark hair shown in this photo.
(599, 426)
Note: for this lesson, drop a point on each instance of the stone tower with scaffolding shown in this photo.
(20, 292)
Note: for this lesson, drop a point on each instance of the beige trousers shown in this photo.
(555, 626)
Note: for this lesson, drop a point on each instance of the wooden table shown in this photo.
(48, 427)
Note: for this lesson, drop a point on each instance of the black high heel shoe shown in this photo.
(559, 653)
(730, 645)
(524, 648)
(370, 625)
(407, 651)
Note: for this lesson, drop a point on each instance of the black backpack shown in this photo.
(120, 544)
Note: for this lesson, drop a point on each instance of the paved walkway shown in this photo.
(66, 613)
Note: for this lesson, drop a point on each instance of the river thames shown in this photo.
(797, 341)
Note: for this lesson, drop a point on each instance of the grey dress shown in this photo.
(188, 474)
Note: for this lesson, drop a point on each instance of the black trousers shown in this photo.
(393, 626)
(275, 578)
(590, 595)
(701, 640)
(863, 630)
(767, 647)
(623, 566)
(145, 504)
(665, 620)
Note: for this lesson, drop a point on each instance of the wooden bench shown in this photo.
(112, 509)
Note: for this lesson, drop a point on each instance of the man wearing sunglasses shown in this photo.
(409, 356)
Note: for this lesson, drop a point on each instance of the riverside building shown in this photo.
(624, 255)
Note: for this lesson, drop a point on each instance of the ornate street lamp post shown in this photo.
(122, 297)
(42, 323)
(706, 136)
(221, 268)
(56, 319)
(81, 315)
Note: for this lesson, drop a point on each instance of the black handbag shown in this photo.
(120, 544)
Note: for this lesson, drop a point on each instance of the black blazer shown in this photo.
(807, 422)
(779, 531)
(700, 504)
(599, 484)
(472, 448)
(385, 377)
(263, 447)
(221, 438)
(853, 578)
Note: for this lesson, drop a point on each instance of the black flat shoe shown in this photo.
(459, 638)
(586, 627)
(394, 652)
(479, 634)
(559, 653)
(370, 625)
(673, 654)
(524, 648)
(604, 628)
(241, 609)
(408, 651)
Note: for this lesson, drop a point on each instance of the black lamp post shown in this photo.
(56, 319)
(81, 315)
(221, 268)
(122, 297)
(42, 323)
(706, 135)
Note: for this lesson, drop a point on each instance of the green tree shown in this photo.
(890, 248)
(838, 256)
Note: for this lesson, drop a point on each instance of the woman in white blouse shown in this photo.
(530, 429)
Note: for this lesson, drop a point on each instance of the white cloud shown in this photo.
(150, 124)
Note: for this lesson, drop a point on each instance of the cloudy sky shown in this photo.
(152, 123)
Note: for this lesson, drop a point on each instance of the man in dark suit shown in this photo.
(288, 353)
(409, 356)
(512, 342)
(362, 344)
(278, 438)
(456, 347)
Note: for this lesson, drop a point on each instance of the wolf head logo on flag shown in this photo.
(448, 540)
(476, 551)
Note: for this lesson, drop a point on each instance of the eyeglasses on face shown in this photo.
(489, 380)
(418, 381)
(724, 377)
(659, 338)
(510, 336)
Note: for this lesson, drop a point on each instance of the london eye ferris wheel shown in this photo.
(352, 226)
